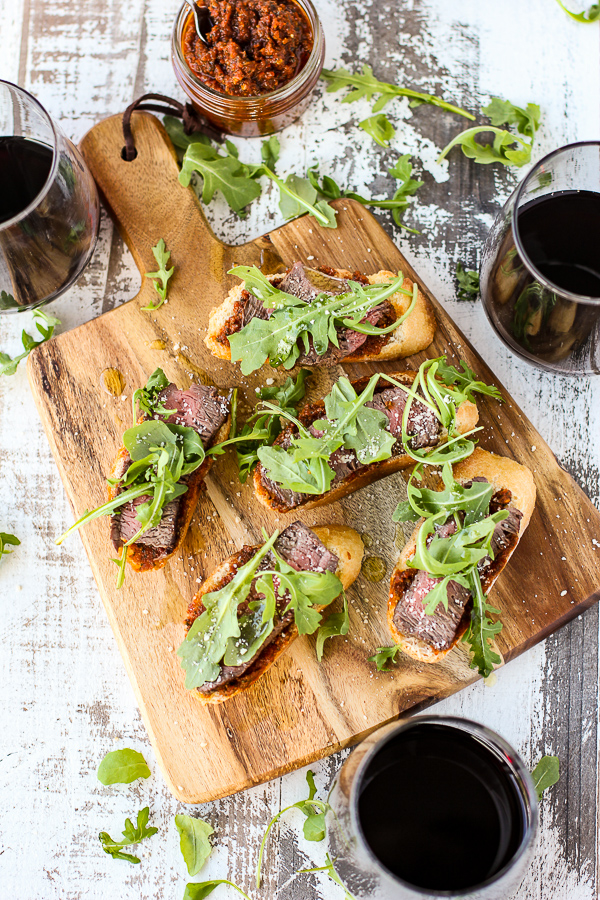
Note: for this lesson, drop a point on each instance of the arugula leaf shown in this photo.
(383, 656)
(45, 325)
(269, 151)
(465, 380)
(206, 642)
(7, 301)
(194, 841)
(468, 283)
(262, 428)
(545, 774)
(146, 399)
(200, 889)
(219, 173)
(482, 630)
(589, 15)
(6, 539)
(122, 767)
(335, 624)
(502, 150)
(503, 112)
(161, 277)
(218, 635)
(314, 826)
(175, 130)
(333, 875)
(298, 196)
(473, 501)
(366, 85)
(132, 836)
(507, 148)
(379, 128)
(293, 319)
(402, 171)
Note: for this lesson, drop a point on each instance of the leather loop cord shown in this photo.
(193, 121)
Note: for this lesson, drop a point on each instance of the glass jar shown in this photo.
(251, 116)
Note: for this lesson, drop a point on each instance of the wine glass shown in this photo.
(432, 807)
(540, 269)
(49, 209)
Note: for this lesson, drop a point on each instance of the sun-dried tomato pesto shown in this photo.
(254, 46)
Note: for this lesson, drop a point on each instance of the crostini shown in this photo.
(248, 612)
(319, 317)
(467, 539)
(368, 428)
(157, 476)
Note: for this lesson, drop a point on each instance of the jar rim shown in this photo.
(279, 93)
(35, 202)
(519, 192)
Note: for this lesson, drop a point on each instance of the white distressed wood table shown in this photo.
(66, 699)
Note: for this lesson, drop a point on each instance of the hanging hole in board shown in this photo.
(126, 157)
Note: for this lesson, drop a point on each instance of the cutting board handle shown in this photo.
(144, 196)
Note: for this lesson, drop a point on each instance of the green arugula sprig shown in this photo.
(5, 541)
(220, 637)
(122, 767)
(293, 320)
(456, 557)
(546, 774)
(160, 278)
(379, 128)
(145, 400)
(507, 148)
(401, 171)
(314, 827)
(262, 428)
(132, 835)
(238, 182)
(194, 841)
(468, 283)
(7, 301)
(587, 16)
(45, 325)
(199, 890)
(162, 455)
(366, 85)
(333, 875)
(383, 656)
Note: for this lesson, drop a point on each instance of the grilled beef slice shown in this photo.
(301, 549)
(439, 629)
(200, 408)
(422, 425)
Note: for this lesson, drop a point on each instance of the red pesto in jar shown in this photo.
(254, 46)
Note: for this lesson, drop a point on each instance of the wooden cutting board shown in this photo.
(300, 710)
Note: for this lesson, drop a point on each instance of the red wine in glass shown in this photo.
(540, 273)
(49, 209)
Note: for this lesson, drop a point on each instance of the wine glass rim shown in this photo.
(549, 285)
(53, 168)
(496, 744)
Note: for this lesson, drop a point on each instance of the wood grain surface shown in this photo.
(66, 697)
(300, 710)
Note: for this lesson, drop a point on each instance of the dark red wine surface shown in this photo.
(439, 809)
(560, 234)
(24, 169)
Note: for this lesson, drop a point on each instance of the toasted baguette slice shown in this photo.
(503, 474)
(466, 419)
(341, 540)
(414, 334)
(140, 557)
